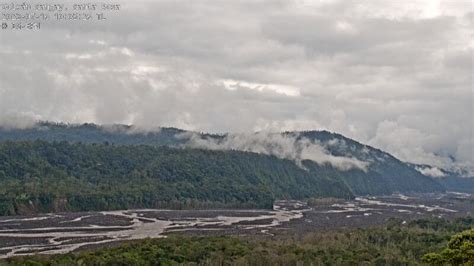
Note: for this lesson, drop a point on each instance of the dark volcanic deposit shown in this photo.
(66, 232)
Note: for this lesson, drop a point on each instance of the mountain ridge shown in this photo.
(366, 170)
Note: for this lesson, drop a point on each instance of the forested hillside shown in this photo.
(91, 133)
(384, 173)
(44, 177)
(456, 183)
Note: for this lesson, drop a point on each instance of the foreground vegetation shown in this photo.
(415, 243)
(460, 250)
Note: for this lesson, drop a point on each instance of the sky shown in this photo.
(394, 74)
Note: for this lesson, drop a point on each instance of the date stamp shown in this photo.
(32, 16)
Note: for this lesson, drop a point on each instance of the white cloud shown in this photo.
(396, 75)
(282, 146)
(431, 171)
(281, 89)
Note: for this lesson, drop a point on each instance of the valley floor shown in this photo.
(66, 232)
(418, 242)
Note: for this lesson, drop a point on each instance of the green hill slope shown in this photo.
(383, 174)
(45, 177)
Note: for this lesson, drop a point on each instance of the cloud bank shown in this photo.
(392, 74)
(431, 171)
(289, 147)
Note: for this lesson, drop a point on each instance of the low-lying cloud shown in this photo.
(288, 146)
(431, 171)
(396, 75)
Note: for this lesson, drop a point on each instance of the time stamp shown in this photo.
(26, 16)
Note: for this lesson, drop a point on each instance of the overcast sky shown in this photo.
(394, 74)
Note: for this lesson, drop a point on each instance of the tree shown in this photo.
(460, 250)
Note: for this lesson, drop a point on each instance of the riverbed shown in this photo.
(67, 232)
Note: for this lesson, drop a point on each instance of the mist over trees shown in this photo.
(45, 177)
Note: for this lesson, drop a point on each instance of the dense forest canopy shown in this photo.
(384, 173)
(53, 167)
(42, 176)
